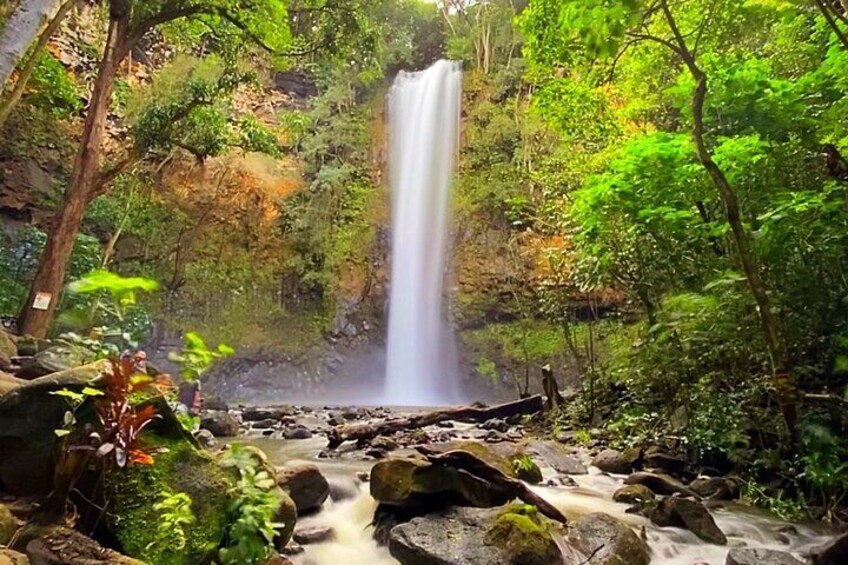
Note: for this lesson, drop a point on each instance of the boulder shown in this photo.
(205, 438)
(287, 516)
(658, 483)
(277, 559)
(62, 546)
(8, 525)
(53, 360)
(313, 534)
(608, 541)
(266, 423)
(617, 462)
(751, 556)
(29, 346)
(527, 470)
(297, 432)
(219, 423)
(384, 443)
(834, 552)
(474, 536)
(412, 482)
(556, 456)
(9, 557)
(178, 467)
(29, 414)
(716, 488)
(8, 383)
(688, 514)
(670, 463)
(259, 414)
(633, 494)
(8, 348)
(344, 490)
(305, 484)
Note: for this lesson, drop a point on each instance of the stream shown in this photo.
(350, 519)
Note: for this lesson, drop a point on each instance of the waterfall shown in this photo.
(424, 110)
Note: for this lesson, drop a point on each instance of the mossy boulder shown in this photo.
(413, 482)
(179, 467)
(634, 494)
(608, 541)
(524, 535)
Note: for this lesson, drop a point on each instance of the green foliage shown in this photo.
(175, 515)
(54, 89)
(196, 358)
(254, 508)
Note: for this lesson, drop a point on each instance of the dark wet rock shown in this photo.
(215, 404)
(608, 541)
(658, 482)
(497, 424)
(63, 546)
(473, 536)
(561, 481)
(29, 346)
(445, 424)
(219, 424)
(343, 490)
(336, 420)
(351, 414)
(313, 534)
(527, 470)
(375, 453)
(287, 516)
(363, 476)
(27, 442)
(688, 514)
(667, 462)
(834, 552)
(259, 414)
(8, 525)
(557, 457)
(633, 494)
(205, 438)
(277, 559)
(617, 462)
(266, 423)
(716, 488)
(292, 548)
(297, 432)
(10, 557)
(305, 484)
(751, 556)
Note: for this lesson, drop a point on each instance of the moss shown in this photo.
(179, 467)
(525, 535)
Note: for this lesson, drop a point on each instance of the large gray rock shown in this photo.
(750, 556)
(556, 456)
(716, 488)
(53, 360)
(219, 423)
(305, 484)
(633, 494)
(608, 541)
(617, 462)
(471, 536)
(685, 513)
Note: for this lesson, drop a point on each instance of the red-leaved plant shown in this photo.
(121, 422)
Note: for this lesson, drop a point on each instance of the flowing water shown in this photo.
(424, 112)
(353, 544)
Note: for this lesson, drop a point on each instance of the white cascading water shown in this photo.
(424, 110)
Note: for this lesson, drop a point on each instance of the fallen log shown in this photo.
(467, 461)
(362, 432)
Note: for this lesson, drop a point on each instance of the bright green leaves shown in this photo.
(196, 358)
(121, 289)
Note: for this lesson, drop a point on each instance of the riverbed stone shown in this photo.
(259, 414)
(756, 556)
(205, 438)
(287, 516)
(219, 423)
(633, 494)
(688, 514)
(716, 488)
(305, 484)
(616, 462)
(266, 423)
(53, 360)
(474, 536)
(557, 457)
(297, 432)
(659, 483)
(608, 541)
(60, 546)
(313, 534)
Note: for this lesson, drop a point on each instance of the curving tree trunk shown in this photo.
(21, 29)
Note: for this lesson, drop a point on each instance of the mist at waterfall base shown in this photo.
(424, 112)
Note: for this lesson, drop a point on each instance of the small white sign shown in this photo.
(42, 301)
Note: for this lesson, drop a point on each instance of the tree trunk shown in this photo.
(785, 386)
(60, 244)
(26, 72)
(21, 28)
